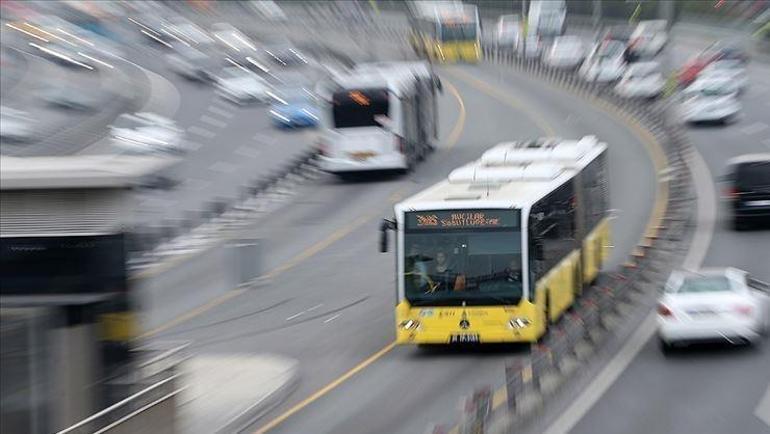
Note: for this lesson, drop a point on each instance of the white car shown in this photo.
(733, 70)
(641, 80)
(147, 133)
(565, 52)
(717, 304)
(605, 63)
(191, 64)
(15, 125)
(241, 86)
(710, 99)
(531, 47)
(648, 38)
(507, 31)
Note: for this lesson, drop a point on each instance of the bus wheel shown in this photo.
(546, 318)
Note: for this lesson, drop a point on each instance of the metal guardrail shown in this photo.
(573, 340)
(156, 379)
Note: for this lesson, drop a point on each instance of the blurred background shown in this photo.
(192, 188)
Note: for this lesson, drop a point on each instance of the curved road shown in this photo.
(330, 296)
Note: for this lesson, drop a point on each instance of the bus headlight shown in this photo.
(410, 324)
(519, 323)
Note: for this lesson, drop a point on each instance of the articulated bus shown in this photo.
(380, 116)
(446, 31)
(502, 247)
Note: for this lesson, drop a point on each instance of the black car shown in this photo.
(748, 189)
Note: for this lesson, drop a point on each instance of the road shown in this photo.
(712, 389)
(329, 300)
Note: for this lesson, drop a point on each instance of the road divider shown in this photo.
(570, 343)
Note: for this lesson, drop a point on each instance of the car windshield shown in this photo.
(704, 284)
(360, 107)
(753, 175)
(458, 32)
(472, 264)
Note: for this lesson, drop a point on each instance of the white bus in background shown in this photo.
(547, 17)
(379, 116)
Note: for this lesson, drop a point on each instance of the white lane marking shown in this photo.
(201, 132)
(214, 122)
(264, 138)
(763, 408)
(706, 219)
(295, 316)
(247, 151)
(219, 111)
(754, 128)
(332, 318)
(221, 166)
(310, 309)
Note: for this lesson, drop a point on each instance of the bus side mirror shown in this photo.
(538, 252)
(385, 226)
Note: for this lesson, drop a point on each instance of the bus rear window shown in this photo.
(359, 108)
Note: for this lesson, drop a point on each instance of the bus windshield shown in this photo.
(458, 32)
(359, 108)
(475, 266)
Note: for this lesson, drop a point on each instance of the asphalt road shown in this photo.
(329, 300)
(712, 389)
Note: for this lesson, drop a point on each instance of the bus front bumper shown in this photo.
(378, 162)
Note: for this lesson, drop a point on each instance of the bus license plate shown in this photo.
(463, 338)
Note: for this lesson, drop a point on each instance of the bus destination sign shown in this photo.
(462, 219)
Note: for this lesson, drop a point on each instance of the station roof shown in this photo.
(79, 172)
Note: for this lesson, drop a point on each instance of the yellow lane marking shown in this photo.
(317, 247)
(651, 144)
(326, 389)
(452, 139)
(504, 97)
(192, 313)
(454, 135)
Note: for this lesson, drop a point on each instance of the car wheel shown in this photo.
(739, 224)
(665, 347)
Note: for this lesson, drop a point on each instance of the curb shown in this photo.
(248, 417)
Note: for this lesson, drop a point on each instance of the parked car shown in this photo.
(748, 189)
(716, 51)
(531, 48)
(507, 31)
(648, 38)
(70, 97)
(242, 86)
(710, 99)
(717, 304)
(566, 52)
(605, 63)
(282, 52)
(641, 80)
(192, 63)
(147, 133)
(733, 70)
(15, 125)
(294, 107)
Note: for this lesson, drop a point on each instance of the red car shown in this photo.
(717, 51)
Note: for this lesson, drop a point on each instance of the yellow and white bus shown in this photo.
(446, 31)
(502, 247)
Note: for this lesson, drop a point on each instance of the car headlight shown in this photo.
(519, 323)
(410, 324)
